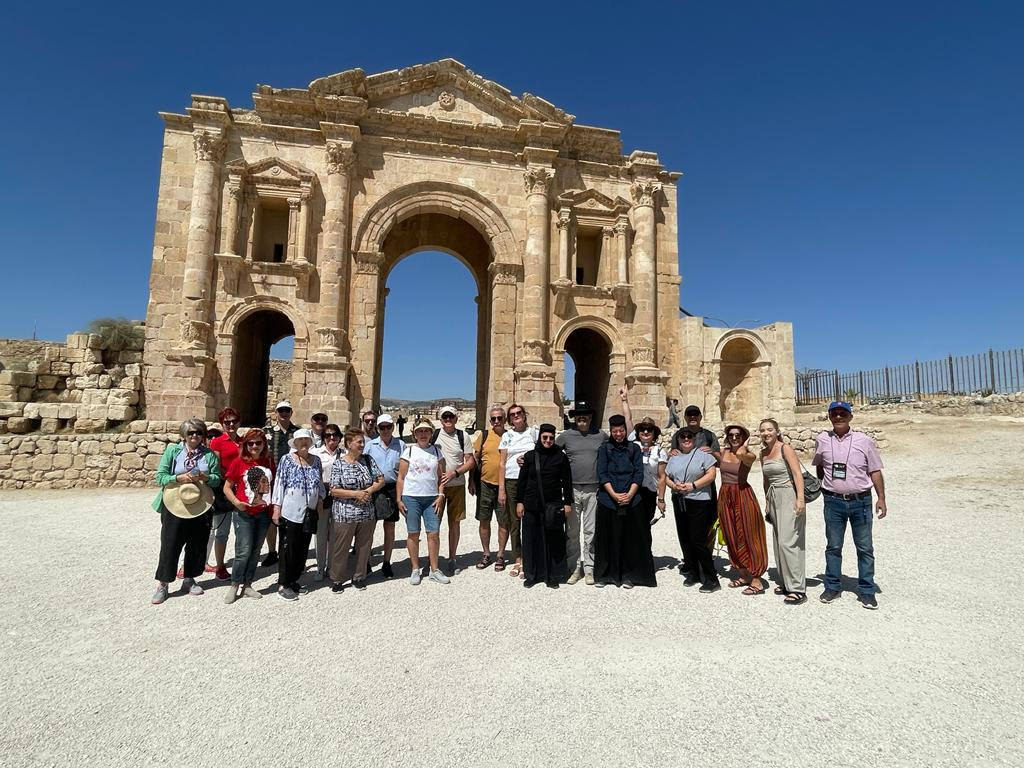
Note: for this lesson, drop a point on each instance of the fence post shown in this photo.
(836, 384)
(887, 389)
(991, 370)
(917, 380)
(863, 397)
(952, 378)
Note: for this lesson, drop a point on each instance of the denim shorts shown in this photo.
(421, 508)
(222, 525)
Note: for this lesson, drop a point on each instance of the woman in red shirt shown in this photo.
(226, 446)
(247, 486)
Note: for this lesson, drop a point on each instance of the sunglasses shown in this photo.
(513, 414)
(547, 438)
(447, 417)
(385, 426)
(368, 421)
(331, 436)
(731, 435)
(229, 421)
(497, 419)
(645, 429)
(685, 439)
(319, 419)
(195, 434)
(252, 443)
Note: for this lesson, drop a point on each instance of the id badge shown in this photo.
(838, 471)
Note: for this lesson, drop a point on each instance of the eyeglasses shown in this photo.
(547, 438)
(195, 434)
(497, 419)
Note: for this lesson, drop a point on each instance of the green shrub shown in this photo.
(118, 333)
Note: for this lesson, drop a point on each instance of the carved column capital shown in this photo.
(644, 190)
(329, 341)
(208, 146)
(564, 218)
(368, 262)
(340, 157)
(194, 334)
(537, 179)
(294, 203)
(535, 351)
(621, 227)
(504, 274)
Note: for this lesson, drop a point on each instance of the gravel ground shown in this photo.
(485, 672)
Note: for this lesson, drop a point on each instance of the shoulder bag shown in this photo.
(381, 502)
(554, 515)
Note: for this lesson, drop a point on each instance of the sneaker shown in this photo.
(416, 577)
(287, 593)
(574, 577)
(439, 577)
(270, 559)
(386, 571)
(589, 579)
(251, 592)
(689, 581)
(453, 566)
(600, 583)
(627, 584)
(359, 584)
(222, 573)
(711, 586)
(190, 586)
(160, 595)
(869, 602)
(337, 587)
(829, 595)
(181, 573)
(210, 568)
(233, 594)
(299, 589)
(319, 576)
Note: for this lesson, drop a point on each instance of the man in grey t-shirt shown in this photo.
(581, 444)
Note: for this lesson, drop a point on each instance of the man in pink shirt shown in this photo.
(849, 466)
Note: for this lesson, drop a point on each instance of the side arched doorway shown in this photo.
(448, 235)
(250, 362)
(591, 355)
(740, 378)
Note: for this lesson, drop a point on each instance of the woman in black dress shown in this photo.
(544, 481)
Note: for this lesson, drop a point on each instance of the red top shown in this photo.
(226, 448)
(247, 485)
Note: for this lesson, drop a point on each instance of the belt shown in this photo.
(849, 496)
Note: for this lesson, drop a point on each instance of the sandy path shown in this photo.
(486, 672)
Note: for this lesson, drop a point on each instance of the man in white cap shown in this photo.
(386, 451)
(458, 459)
(279, 430)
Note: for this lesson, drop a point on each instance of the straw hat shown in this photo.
(186, 500)
(741, 428)
(649, 422)
(299, 434)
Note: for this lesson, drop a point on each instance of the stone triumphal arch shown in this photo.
(285, 220)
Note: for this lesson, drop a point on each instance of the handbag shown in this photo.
(311, 521)
(812, 486)
(382, 508)
(554, 516)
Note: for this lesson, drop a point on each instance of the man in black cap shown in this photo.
(704, 439)
(581, 444)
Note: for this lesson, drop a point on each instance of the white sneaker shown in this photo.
(439, 577)
(190, 586)
(416, 577)
(576, 576)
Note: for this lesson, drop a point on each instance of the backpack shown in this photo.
(461, 435)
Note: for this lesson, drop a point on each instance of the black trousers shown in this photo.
(177, 533)
(294, 551)
(694, 519)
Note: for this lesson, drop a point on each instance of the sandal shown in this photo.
(499, 564)
(780, 591)
(736, 583)
(517, 570)
(795, 598)
(485, 560)
(752, 590)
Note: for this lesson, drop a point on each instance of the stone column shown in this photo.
(365, 325)
(501, 377)
(252, 199)
(564, 256)
(302, 233)
(645, 276)
(333, 257)
(621, 228)
(536, 259)
(197, 286)
(229, 241)
(293, 226)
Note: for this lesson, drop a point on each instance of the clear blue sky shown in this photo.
(871, 148)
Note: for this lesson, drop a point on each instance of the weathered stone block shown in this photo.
(120, 412)
(151, 462)
(8, 393)
(131, 461)
(19, 425)
(17, 378)
(84, 425)
(133, 369)
(89, 447)
(46, 382)
(67, 411)
(49, 410)
(8, 409)
(138, 427)
(43, 463)
(60, 368)
(62, 461)
(125, 447)
(122, 397)
(48, 426)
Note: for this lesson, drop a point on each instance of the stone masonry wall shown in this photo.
(964, 405)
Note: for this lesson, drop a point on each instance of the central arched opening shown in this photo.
(433, 341)
(590, 368)
(740, 387)
(251, 366)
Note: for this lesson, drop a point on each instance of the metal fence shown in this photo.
(982, 374)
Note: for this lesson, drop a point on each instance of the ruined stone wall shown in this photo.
(962, 405)
(16, 354)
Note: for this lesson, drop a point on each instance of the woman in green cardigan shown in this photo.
(189, 462)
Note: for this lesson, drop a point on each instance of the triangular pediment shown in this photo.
(592, 200)
(443, 89)
(277, 171)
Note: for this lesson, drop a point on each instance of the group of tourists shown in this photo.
(570, 507)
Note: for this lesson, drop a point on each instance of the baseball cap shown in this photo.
(385, 418)
(691, 409)
(283, 404)
(842, 405)
(448, 409)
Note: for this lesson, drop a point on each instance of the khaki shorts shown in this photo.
(455, 503)
(487, 505)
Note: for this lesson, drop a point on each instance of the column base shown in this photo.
(185, 391)
(326, 391)
(647, 393)
(535, 391)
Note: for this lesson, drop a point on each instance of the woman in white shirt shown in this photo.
(420, 493)
(652, 492)
(515, 442)
(298, 495)
(328, 453)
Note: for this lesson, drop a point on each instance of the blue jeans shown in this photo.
(421, 508)
(250, 530)
(858, 512)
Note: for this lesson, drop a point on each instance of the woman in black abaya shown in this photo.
(544, 503)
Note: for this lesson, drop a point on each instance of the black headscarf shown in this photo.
(618, 420)
(539, 446)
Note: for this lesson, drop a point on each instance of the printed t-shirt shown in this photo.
(489, 456)
(421, 476)
(247, 481)
(854, 449)
(687, 467)
(454, 456)
(582, 452)
(517, 443)
(652, 457)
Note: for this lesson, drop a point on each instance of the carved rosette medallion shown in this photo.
(537, 179)
(340, 158)
(208, 146)
(446, 100)
(644, 191)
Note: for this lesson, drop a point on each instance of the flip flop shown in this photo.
(736, 583)
(780, 591)
(752, 590)
(795, 598)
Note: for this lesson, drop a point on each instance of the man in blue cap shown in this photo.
(849, 466)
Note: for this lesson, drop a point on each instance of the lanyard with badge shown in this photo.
(839, 468)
